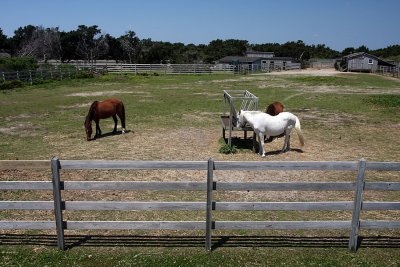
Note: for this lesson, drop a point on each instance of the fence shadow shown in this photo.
(72, 241)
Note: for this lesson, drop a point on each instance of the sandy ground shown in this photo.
(311, 72)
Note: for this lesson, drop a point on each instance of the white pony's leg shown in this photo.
(286, 143)
(261, 142)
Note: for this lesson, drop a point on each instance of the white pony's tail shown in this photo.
(298, 131)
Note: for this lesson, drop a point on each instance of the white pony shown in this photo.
(265, 124)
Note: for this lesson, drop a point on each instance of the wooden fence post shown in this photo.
(210, 187)
(30, 77)
(55, 169)
(355, 221)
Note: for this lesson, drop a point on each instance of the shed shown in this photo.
(265, 63)
(235, 60)
(242, 63)
(364, 62)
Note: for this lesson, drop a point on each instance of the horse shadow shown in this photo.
(241, 143)
(109, 134)
(247, 143)
(277, 152)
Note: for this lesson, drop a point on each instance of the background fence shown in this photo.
(75, 69)
(389, 71)
(33, 76)
(210, 204)
(169, 68)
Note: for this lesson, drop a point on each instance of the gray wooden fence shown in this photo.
(57, 185)
(389, 71)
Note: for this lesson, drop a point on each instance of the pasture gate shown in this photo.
(237, 100)
(210, 204)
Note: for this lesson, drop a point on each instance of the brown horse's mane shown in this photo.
(92, 111)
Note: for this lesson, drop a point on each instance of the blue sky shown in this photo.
(337, 24)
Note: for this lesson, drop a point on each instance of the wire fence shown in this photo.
(36, 76)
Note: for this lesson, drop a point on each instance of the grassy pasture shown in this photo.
(343, 116)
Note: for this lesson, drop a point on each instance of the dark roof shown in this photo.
(360, 54)
(281, 58)
(239, 59)
(364, 54)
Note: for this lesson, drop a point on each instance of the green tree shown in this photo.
(219, 48)
(115, 51)
(42, 44)
(3, 40)
(69, 43)
(348, 51)
(362, 48)
(21, 35)
(130, 45)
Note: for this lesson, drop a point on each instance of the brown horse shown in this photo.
(102, 110)
(274, 109)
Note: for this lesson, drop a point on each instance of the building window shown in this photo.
(370, 62)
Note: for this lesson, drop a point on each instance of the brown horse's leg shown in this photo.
(115, 123)
(121, 115)
(98, 130)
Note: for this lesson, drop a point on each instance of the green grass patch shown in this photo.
(356, 80)
(384, 101)
(320, 80)
(196, 256)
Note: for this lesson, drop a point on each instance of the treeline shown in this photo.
(89, 43)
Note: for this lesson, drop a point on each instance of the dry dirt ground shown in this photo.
(339, 143)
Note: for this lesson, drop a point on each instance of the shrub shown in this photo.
(11, 84)
(84, 75)
(18, 63)
(227, 149)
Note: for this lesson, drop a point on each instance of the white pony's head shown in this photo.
(240, 120)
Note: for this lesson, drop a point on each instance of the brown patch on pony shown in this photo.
(274, 109)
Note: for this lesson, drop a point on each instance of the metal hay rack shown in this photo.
(237, 100)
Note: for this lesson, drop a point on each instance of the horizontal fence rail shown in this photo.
(209, 205)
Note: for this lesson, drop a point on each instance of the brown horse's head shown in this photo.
(88, 128)
(88, 120)
(274, 108)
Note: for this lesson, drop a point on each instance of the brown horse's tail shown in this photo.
(122, 116)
